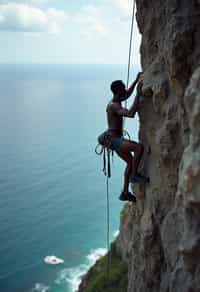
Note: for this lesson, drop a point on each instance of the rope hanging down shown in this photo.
(108, 228)
(107, 182)
(103, 150)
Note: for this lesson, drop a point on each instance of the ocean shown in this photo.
(52, 188)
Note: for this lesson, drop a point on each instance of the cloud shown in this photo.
(108, 24)
(28, 2)
(123, 7)
(27, 18)
(105, 17)
(56, 20)
(91, 21)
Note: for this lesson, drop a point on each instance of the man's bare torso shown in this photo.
(115, 122)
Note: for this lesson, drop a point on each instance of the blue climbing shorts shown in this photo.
(116, 143)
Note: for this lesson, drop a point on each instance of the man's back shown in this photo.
(115, 121)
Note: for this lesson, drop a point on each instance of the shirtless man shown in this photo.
(124, 147)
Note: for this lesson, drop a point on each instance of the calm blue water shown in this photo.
(52, 189)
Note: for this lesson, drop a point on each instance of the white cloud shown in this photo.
(56, 20)
(104, 18)
(28, 2)
(124, 7)
(96, 33)
(91, 21)
(27, 18)
(99, 19)
(111, 20)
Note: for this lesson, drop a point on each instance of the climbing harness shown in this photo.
(105, 145)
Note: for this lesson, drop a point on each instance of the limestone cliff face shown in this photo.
(160, 236)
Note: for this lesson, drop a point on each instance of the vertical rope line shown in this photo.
(107, 180)
(129, 54)
(130, 44)
(108, 227)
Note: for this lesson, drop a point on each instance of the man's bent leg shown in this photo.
(137, 157)
(127, 157)
(130, 146)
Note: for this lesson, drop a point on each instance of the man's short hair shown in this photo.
(116, 85)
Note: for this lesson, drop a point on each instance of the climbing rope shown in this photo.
(130, 44)
(130, 52)
(108, 228)
(125, 133)
(103, 149)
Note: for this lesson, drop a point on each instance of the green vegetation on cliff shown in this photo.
(97, 279)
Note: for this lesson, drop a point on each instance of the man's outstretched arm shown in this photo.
(130, 90)
(133, 109)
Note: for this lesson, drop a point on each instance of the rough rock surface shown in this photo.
(163, 237)
(160, 236)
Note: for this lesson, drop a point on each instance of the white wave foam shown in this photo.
(53, 260)
(95, 255)
(39, 287)
(116, 233)
(74, 275)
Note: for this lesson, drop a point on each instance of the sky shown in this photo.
(67, 31)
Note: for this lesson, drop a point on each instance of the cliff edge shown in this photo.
(163, 245)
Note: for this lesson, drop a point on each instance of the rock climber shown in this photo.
(124, 147)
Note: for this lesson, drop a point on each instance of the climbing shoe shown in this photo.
(127, 197)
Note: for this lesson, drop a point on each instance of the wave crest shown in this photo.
(74, 275)
(39, 287)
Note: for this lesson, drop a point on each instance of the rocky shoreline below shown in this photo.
(100, 279)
